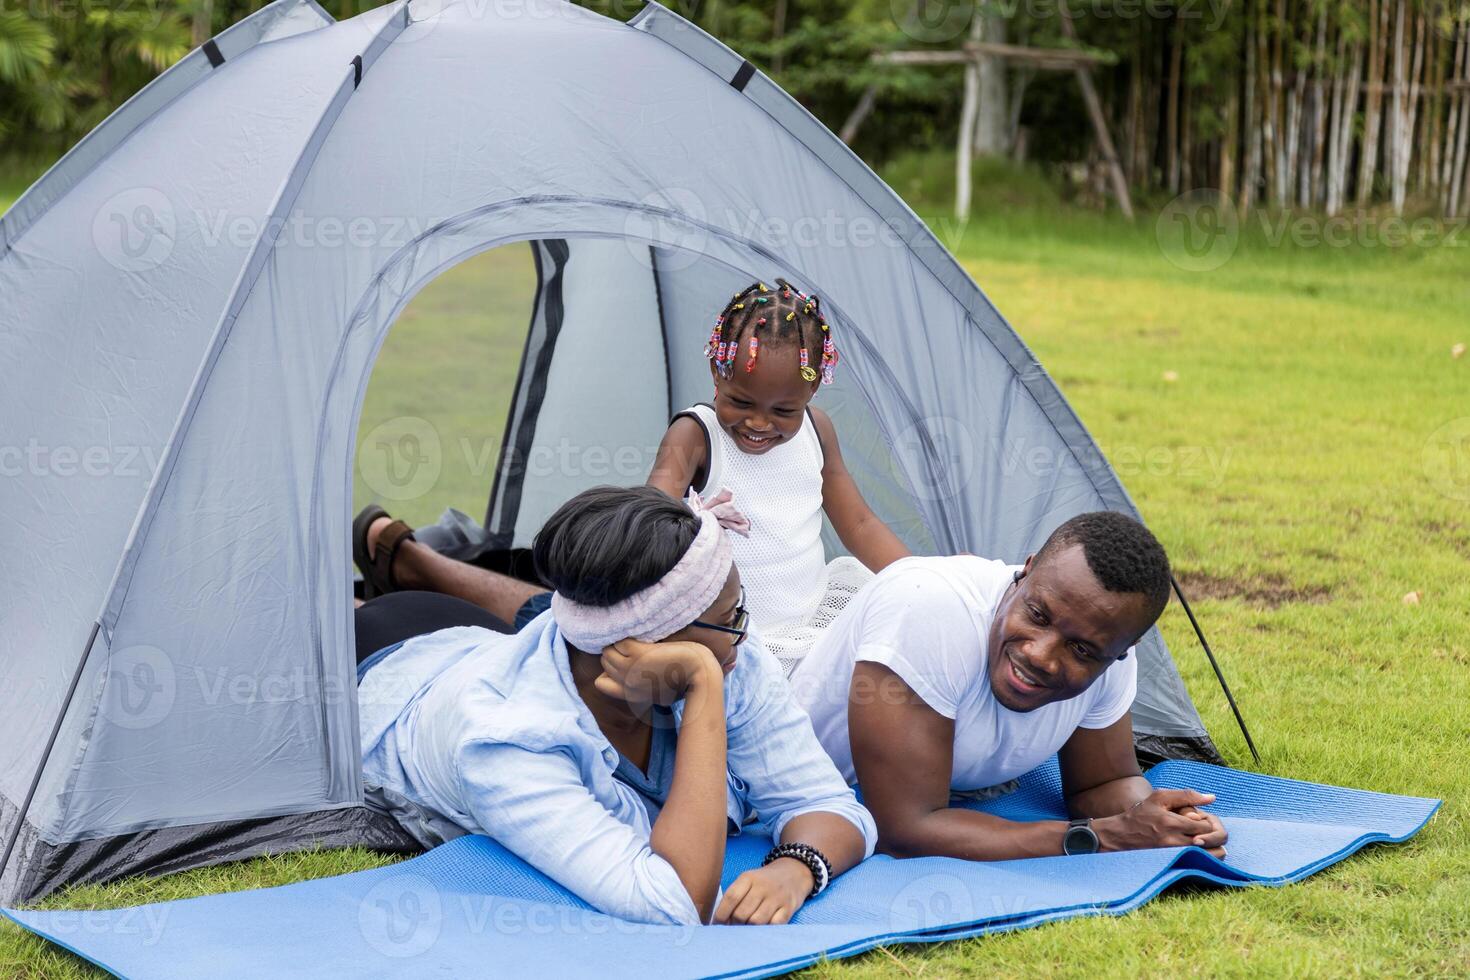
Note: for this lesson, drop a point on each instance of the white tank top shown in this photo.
(782, 564)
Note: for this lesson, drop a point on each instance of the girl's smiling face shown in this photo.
(763, 408)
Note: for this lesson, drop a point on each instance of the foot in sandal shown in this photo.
(376, 538)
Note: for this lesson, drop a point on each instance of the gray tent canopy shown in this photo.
(191, 302)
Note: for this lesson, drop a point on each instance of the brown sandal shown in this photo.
(377, 568)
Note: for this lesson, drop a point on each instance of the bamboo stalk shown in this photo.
(1460, 175)
(1251, 165)
(1373, 114)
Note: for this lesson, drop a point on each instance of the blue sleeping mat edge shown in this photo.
(470, 907)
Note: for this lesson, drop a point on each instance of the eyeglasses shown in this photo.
(739, 629)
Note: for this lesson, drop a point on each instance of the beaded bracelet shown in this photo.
(815, 861)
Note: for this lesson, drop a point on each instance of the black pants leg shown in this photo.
(400, 616)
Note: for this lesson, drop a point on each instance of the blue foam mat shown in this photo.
(470, 908)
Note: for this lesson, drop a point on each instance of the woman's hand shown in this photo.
(767, 896)
(655, 673)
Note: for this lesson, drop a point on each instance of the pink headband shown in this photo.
(671, 603)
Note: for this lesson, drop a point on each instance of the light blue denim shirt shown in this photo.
(470, 731)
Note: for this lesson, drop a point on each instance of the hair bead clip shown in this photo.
(807, 374)
(791, 316)
(755, 348)
(761, 322)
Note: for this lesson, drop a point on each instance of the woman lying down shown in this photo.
(615, 766)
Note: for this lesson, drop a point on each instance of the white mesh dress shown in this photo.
(791, 591)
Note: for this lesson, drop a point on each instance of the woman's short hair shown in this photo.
(607, 543)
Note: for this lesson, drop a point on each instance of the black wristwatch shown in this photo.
(1080, 838)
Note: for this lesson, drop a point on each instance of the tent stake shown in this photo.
(1219, 675)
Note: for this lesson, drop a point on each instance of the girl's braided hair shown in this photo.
(760, 315)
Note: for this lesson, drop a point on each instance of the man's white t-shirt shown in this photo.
(928, 620)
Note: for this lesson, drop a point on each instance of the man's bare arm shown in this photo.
(903, 751)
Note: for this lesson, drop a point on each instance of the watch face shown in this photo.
(1080, 840)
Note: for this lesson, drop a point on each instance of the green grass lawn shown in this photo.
(1294, 428)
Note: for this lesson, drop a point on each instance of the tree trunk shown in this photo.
(992, 127)
(1225, 176)
(1455, 98)
(1171, 124)
(1251, 165)
(1099, 123)
(1133, 163)
(202, 27)
(778, 33)
(969, 112)
(1433, 116)
(1186, 139)
(1019, 84)
(1312, 190)
(1373, 114)
(1345, 109)
(1292, 135)
(860, 112)
(1460, 173)
(1408, 65)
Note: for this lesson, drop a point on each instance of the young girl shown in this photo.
(770, 351)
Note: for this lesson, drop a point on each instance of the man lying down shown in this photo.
(947, 675)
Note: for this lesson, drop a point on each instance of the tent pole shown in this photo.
(25, 807)
(1219, 675)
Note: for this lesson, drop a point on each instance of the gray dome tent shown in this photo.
(191, 302)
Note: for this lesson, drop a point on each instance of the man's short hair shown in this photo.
(1121, 552)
